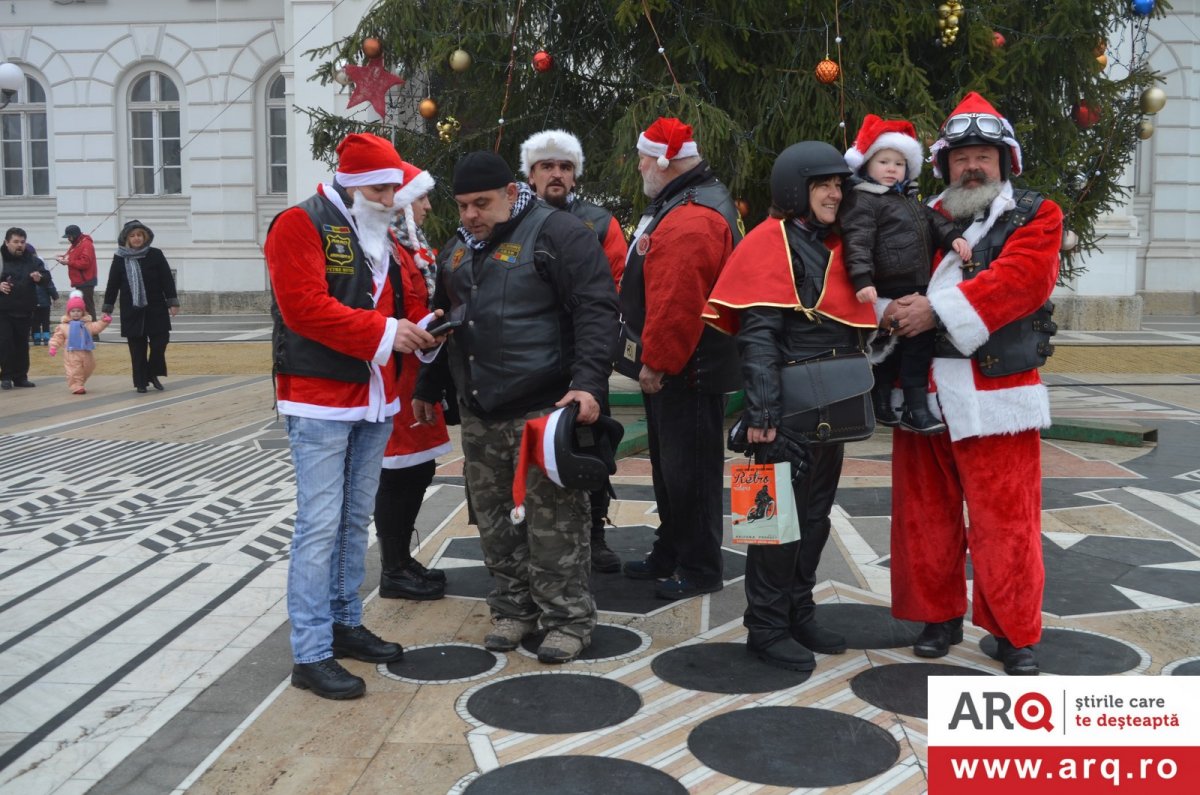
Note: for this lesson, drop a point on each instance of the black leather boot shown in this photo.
(328, 679)
(1018, 660)
(603, 559)
(361, 643)
(782, 653)
(400, 579)
(917, 417)
(811, 635)
(936, 639)
(881, 397)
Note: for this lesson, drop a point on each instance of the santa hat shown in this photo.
(877, 134)
(973, 103)
(537, 447)
(667, 139)
(365, 159)
(551, 145)
(416, 184)
(76, 301)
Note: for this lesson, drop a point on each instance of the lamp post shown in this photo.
(11, 81)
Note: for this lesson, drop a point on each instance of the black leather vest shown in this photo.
(1023, 344)
(515, 340)
(350, 282)
(594, 217)
(715, 366)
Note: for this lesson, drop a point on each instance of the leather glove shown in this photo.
(787, 448)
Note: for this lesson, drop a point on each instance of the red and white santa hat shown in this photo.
(537, 447)
(667, 139)
(417, 183)
(551, 145)
(365, 159)
(974, 103)
(877, 134)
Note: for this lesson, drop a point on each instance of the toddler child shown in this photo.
(889, 239)
(76, 332)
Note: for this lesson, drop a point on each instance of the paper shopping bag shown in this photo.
(763, 506)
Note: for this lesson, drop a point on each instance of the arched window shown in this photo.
(277, 176)
(24, 148)
(154, 135)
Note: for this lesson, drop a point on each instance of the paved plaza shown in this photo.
(143, 631)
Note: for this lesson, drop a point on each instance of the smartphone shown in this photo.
(438, 329)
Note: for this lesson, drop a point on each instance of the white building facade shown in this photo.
(186, 123)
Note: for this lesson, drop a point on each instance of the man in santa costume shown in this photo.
(984, 384)
(681, 244)
(552, 160)
(334, 343)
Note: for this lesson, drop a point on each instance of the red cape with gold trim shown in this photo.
(759, 273)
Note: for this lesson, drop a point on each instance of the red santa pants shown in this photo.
(1000, 479)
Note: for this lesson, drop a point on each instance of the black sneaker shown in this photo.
(645, 570)
(328, 679)
(603, 559)
(361, 643)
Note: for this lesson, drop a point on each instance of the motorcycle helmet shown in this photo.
(796, 166)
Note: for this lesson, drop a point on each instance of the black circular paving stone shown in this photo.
(793, 746)
(904, 687)
(554, 703)
(1187, 669)
(606, 642)
(578, 775)
(722, 668)
(443, 663)
(1071, 653)
(868, 626)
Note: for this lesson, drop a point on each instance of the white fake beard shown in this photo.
(373, 221)
(965, 203)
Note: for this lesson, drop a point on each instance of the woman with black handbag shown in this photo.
(789, 309)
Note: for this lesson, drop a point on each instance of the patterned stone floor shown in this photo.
(143, 553)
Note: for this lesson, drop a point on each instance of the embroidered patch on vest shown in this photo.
(643, 245)
(457, 259)
(338, 253)
(340, 230)
(507, 252)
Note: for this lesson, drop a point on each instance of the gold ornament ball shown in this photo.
(460, 60)
(952, 21)
(1101, 62)
(1145, 129)
(1153, 99)
(448, 129)
(943, 11)
(1069, 240)
(372, 48)
(428, 108)
(743, 207)
(1101, 48)
(827, 71)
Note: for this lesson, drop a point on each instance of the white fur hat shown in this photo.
(551, 145)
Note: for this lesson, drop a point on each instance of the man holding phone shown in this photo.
(538, 307)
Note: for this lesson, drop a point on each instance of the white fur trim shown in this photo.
(871, 187)
(417, 187)
(381, 176)
(909, 147)
(970, 411)
(412, 459)
(551, 145)
(654, 149)
(549, 458)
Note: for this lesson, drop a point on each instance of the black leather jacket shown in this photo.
(769, 336)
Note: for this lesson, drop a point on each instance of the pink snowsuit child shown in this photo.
(76, 331)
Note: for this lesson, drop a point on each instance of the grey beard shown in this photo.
(965, 203)
(373, 222)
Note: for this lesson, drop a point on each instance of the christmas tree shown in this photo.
(752, 77)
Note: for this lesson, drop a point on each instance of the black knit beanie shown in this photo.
(480, 171)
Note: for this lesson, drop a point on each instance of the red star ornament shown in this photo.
(371, 84)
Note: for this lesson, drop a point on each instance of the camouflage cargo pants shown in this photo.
(541, 566)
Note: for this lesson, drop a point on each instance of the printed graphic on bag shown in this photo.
(762, 504)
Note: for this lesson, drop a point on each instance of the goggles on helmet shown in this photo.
(964, 125)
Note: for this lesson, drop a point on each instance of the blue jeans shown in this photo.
(337, 473)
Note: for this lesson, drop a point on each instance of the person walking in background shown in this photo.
(553, 162)
(141, 277)
(408, 462)
(77, 333)
(80, 260)
(20, 273)
(47, 294)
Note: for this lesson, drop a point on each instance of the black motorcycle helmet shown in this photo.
(795, 167)
(586, 454)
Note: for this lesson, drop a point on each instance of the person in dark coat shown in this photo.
(142, 278)
(20, 272)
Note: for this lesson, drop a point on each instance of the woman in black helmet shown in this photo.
(756, 297)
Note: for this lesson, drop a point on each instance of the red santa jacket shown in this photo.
(295, 256)
(1016, 283)
(408, 445)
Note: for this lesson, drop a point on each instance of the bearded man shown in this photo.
(993, 327)
(335, 338)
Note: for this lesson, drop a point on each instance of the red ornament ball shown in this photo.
(1084, 115)
(543, 61)
(827, 71)
(998, 39)
(372, 48)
